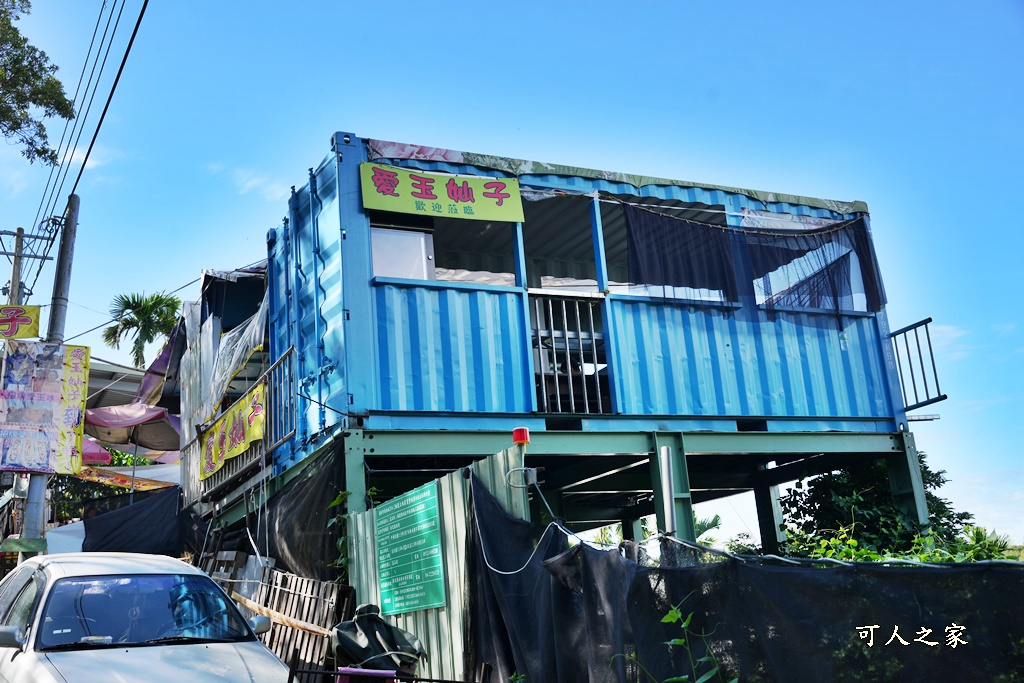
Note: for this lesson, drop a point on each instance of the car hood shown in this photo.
(245, 662)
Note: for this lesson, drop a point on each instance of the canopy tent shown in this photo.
(93, 453)
(137, 423)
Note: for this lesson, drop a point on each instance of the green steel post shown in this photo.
(905, 481)
(633, 529)
(679, 485)
(355, 471)
(769, 517)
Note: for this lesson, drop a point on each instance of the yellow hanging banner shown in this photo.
(234, 431)
(404, 190)
(19, 322)
(43, 391)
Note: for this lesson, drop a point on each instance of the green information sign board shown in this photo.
(410, 565)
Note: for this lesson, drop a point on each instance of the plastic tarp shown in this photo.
(143, 478)
(258, 269)
(236, 347)
(136, 423)
(66, 539)
(384, 149)
(169, 474)
(150, 526)
(152, 384)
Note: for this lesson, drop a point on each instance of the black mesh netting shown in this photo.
(154, 525)
(293, 527)
(832, 268)
(582, 614)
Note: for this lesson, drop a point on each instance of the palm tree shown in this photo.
(143, 317)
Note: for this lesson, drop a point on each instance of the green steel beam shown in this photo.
(768, 443)
(601, 515)
(483, 444)
(708, 495)
(809, 467)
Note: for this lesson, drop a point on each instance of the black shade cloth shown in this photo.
(798, 268)
(582, 614)
(811, 268)
(149, 526)
(93, 506)
(293, 528)
(662, 250)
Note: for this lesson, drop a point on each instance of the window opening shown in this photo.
(559, 244)
(453, 250)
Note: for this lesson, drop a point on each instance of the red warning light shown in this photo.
(521, 436)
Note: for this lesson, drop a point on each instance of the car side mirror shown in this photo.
(259, 624)
(11, 636)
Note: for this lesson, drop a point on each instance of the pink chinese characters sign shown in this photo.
(403, 190)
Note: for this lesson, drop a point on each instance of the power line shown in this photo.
(67, 124)
(173, 291)
(110, 97)
(57, 193)
(72, 148)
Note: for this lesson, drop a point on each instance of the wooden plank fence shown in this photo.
(302, 610)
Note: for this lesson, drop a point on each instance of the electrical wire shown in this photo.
(79, 122)
(57, 192)
(67, 124)
(173, 291)
(110, 97)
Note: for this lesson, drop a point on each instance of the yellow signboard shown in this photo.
(232, 433)
(43, 389)
(404, 190)
(19, 322)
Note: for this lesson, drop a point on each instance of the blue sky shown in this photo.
(913, 107)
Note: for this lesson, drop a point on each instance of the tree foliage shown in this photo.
(857, 501)
(146, 318)
(70, 496)
(29, 90)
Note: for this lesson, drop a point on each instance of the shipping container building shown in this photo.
(419, 304)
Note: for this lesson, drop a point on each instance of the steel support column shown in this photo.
(769, 517)
(680, 485)
(355, 470)
(905, 481)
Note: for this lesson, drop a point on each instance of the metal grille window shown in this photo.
(569, 354)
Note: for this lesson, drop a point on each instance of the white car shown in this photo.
(114, 617)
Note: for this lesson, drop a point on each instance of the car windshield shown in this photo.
(137, 610)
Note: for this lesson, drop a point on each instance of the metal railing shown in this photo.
(280, 426)
(913, 366)
(569, 354)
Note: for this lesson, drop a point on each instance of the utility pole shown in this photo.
(35, 504)
(14, 293)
